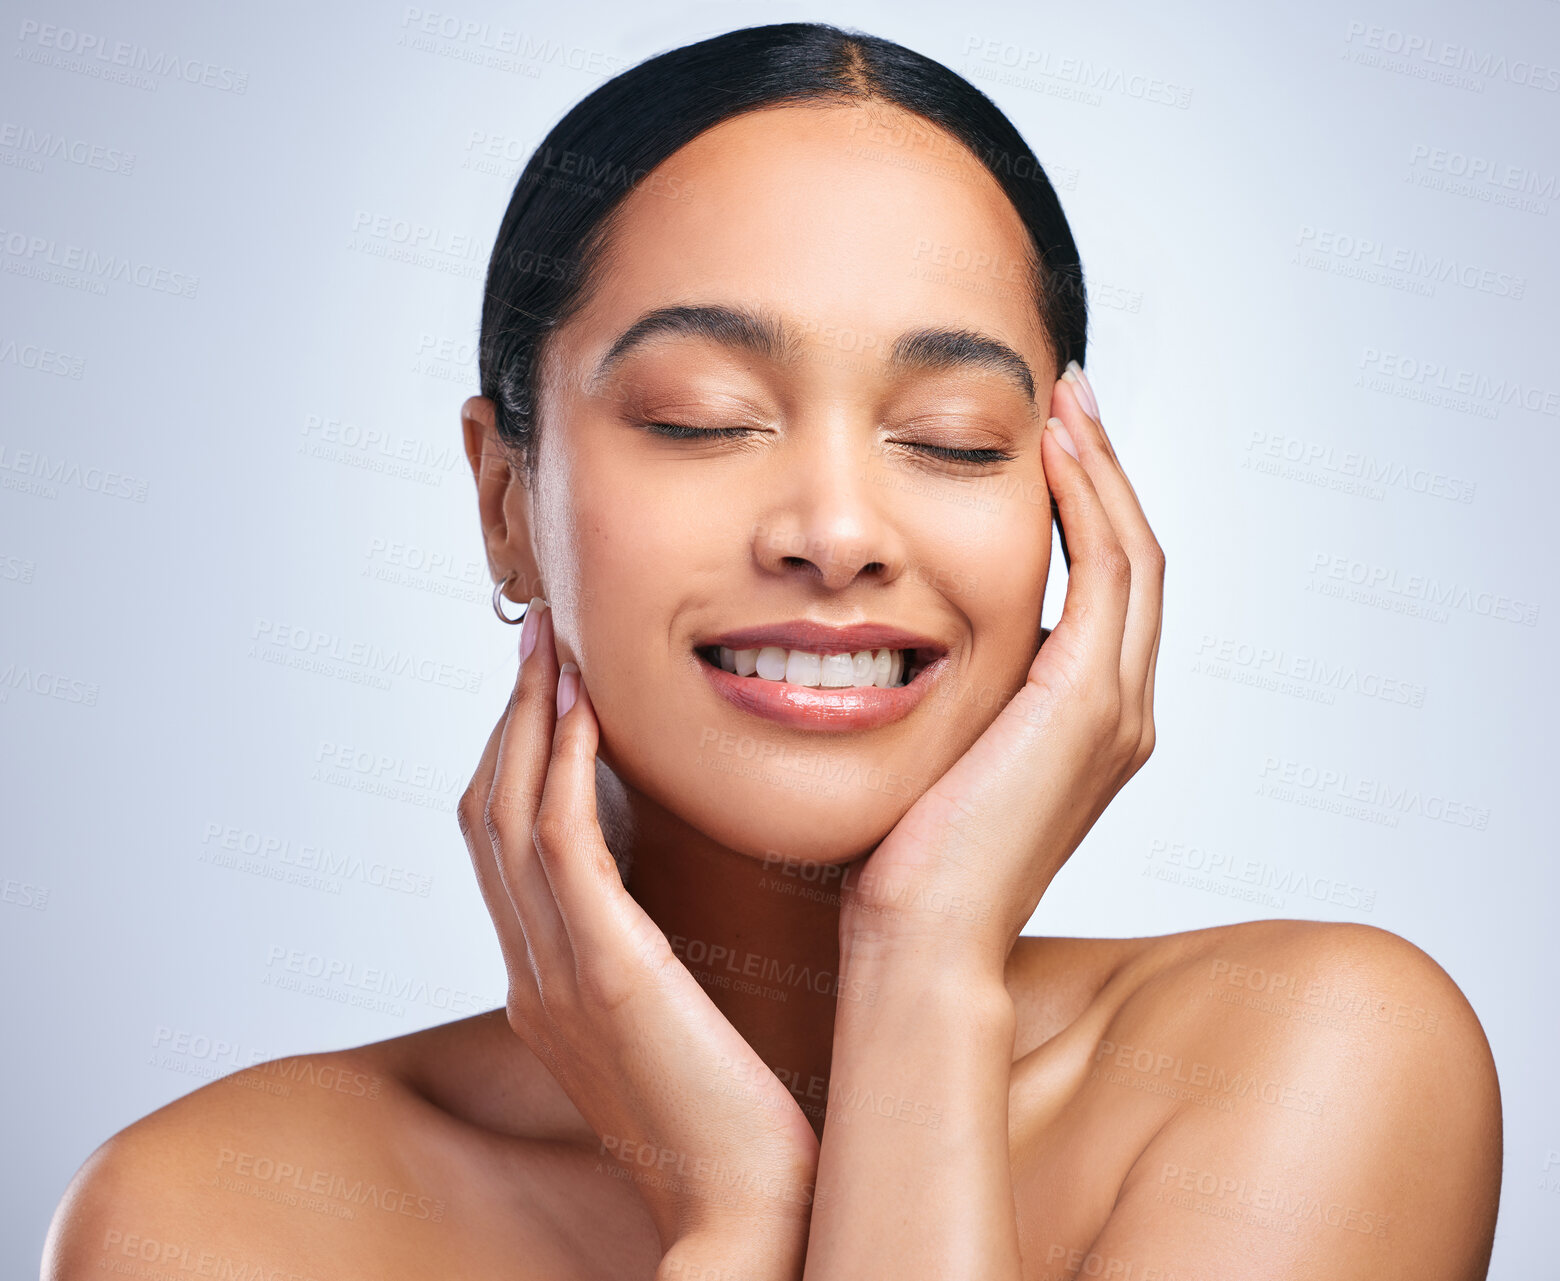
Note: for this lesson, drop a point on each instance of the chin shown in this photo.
(803, 820)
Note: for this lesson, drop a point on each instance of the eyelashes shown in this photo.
(679, 431)
(676, 431)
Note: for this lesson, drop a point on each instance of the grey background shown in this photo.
(1322, 247)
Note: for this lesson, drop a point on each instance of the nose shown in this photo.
(830, 519)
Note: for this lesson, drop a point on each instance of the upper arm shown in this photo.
(1337, 1116)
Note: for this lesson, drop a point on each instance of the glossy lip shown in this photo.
(840, 709)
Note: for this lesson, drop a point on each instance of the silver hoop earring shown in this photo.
(498, 603)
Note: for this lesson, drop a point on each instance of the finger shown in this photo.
(574, 854)
(469, 813)
(1098, 584)
(519, 774)
(1148, 690)
(1132, 528)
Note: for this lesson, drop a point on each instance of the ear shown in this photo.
(503, 502)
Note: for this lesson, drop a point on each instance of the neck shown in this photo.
(760, 936)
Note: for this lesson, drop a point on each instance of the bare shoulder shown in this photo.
(316, 1165)
(1323, 1091)
(269, 1167)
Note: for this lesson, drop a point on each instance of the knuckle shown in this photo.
(1149, 562)
(469, 812)
(1102, 691)
(1107, 698)
(499, 811)
(1115, 564)
(550, 834)
(558, 997)
(497, 824)
(603, 985)
(517, 697)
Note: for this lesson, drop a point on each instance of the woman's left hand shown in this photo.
(965, 867)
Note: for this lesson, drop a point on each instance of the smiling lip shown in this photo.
(837, 709)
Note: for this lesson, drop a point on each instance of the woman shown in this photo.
(781, 390)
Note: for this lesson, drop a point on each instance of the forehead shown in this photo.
(833, 217)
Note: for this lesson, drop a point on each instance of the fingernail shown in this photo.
(1080, 380)
(568, 687)
(1063, 436)
(532, 624)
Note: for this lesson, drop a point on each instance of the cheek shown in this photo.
(990, 562)
(990, 559)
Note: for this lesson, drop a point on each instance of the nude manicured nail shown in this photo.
(1063, 436)
(1080, 381)
(568, 686)
(532, 624)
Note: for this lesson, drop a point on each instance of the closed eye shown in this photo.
(677, 431)
(680, 431)
(965, 455)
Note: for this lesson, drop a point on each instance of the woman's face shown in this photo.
(841, 231)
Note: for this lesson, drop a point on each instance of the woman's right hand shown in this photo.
(714, 1141)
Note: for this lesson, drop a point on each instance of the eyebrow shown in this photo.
(744, 330)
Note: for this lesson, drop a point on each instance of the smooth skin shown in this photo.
(801, 1036)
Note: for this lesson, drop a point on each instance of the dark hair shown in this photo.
(550, 244)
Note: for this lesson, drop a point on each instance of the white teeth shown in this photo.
(837, 671)
(882, 667)
(802, 668)
(771, 663)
